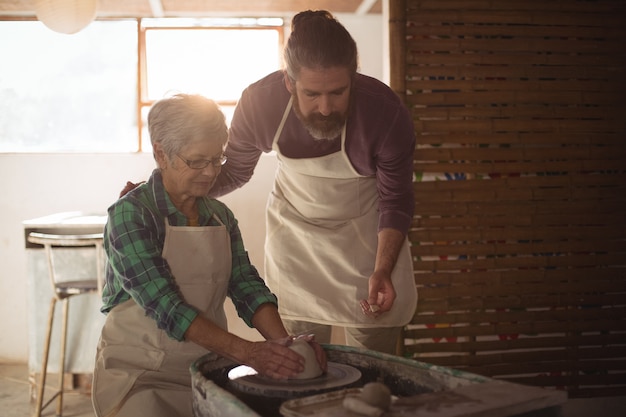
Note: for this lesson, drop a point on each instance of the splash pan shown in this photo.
(418, 389)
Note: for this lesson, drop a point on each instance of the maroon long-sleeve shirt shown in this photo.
(380, 140)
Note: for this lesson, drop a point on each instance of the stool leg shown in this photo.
(66, 308)
(44, 361)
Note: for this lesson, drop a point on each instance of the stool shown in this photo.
(62, 291)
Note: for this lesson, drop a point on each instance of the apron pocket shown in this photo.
(117, 369)
(131, 358)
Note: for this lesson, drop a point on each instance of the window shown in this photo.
(84, 92)
(218, 62)
(68, 93)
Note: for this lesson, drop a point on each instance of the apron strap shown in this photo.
(282, 124)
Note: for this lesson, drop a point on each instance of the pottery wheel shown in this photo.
(245, 379)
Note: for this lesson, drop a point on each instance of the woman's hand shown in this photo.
(274, 359)
(270, 358)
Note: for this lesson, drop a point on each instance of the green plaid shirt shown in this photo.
(133, 241)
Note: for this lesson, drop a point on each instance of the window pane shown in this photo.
(74, 93)
(78, 93)
(217, 63)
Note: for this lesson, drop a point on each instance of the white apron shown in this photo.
(153, 368)
(322, 222)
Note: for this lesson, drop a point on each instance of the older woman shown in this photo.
(173, 256)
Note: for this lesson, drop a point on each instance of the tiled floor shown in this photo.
(14, 400)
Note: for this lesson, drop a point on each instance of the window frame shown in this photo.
(143, 101)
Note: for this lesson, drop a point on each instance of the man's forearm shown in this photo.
(390, 243)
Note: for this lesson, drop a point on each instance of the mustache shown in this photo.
(332, 118)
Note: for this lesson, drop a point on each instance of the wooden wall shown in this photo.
(519, 236)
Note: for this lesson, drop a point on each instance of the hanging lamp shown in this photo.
(66, 16)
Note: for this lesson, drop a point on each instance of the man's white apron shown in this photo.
(149, 375)
(322, 222)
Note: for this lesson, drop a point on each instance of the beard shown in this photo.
(319, 126)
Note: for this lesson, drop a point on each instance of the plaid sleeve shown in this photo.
(133, 242)
(246, 289)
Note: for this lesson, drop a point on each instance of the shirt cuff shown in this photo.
(252, 307)
(183, 317)
(394, 220)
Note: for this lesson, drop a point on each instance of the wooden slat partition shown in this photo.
(519, 237)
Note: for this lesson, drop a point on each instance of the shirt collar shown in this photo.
(167, 208)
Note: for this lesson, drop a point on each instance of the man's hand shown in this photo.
(129, 186)
(381, 295)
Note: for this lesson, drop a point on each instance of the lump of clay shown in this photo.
(358, 406)
(374, 400)
(376, 394)
(312, 369)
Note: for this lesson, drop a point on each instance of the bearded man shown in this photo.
(337, 252)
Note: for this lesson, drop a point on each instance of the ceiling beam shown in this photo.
(365, 6)
(157, 8)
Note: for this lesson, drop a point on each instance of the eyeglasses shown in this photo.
(217, 162)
